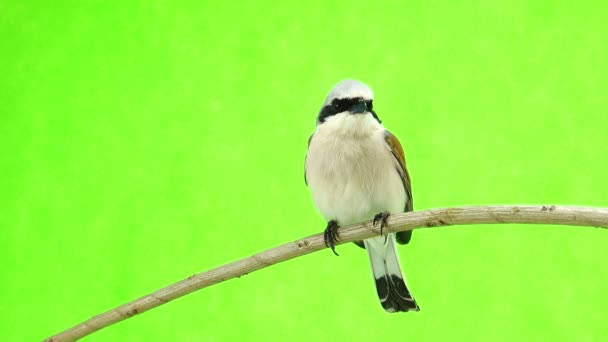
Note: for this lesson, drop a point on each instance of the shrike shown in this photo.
(356, 171)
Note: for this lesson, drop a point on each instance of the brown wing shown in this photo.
(309, 139)
(397, 151)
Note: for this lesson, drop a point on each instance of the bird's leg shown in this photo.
(381, 217)
(330, 235)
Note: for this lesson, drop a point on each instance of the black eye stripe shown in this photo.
(342, 105)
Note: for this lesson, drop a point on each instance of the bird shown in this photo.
(356, 172)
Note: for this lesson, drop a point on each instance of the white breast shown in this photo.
(351, 171)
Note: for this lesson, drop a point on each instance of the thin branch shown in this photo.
(546, 214)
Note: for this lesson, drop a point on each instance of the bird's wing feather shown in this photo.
(308, 146)
(397, 151)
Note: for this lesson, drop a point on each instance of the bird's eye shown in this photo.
(370, 105)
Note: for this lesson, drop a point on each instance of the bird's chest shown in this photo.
(352, 179)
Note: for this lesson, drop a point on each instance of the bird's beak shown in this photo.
(359, 107)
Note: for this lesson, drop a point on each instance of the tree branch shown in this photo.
(549, 214)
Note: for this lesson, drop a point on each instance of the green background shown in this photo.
(144, 141)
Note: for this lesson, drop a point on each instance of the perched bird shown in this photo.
(356, 171)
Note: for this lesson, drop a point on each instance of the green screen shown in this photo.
(144, 141)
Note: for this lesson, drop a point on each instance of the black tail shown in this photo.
(394, 294)
(390, 282)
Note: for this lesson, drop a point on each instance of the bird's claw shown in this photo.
(381, 217)
(330, 235)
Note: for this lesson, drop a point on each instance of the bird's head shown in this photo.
(349, 97)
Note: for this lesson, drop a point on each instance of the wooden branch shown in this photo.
(545, 214)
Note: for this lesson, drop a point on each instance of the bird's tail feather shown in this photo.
(390, 282)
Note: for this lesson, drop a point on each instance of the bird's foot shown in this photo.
(330, 235)
(381, 217)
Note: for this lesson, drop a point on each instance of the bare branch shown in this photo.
(546, 214)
